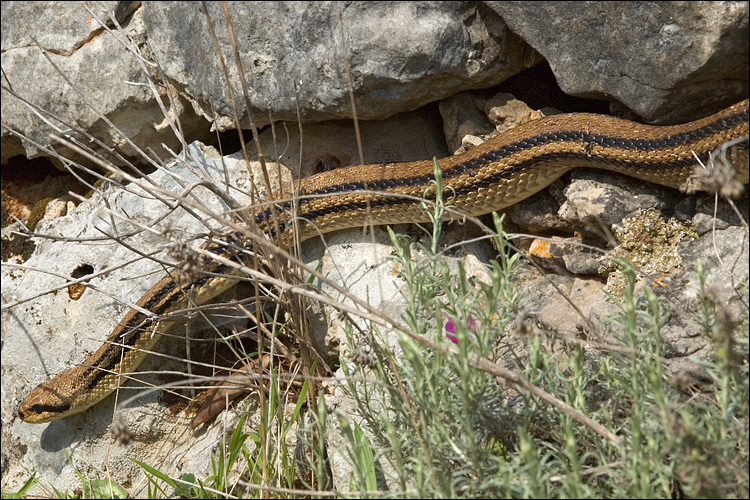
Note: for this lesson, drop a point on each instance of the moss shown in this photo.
(97, 185)
(650, 244)
(37, 213)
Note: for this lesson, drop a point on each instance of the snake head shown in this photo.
(42, 405)
(51, 400)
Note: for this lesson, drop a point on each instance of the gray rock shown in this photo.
(463, 115)
(402, 56)
(98, 67)
(725, 274)
(594, 201)
(710, 214)
(666, 61)
(427, 51)
(539, 213)
(68, 27)
(51, 332)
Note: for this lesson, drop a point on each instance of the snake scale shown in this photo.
(494, 175)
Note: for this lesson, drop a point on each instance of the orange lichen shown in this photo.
(540, 248)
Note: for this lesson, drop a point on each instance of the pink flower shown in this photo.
(450, 329)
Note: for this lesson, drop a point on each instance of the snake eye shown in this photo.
(37, 408)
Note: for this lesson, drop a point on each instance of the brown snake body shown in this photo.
(494, 175)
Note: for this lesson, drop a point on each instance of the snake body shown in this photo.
(494, 175)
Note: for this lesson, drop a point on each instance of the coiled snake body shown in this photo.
(492, 176)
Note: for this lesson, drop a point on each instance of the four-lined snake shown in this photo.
(494, 175)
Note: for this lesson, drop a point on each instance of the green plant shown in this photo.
(445, 429)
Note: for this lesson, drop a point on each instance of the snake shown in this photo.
(494, 175)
